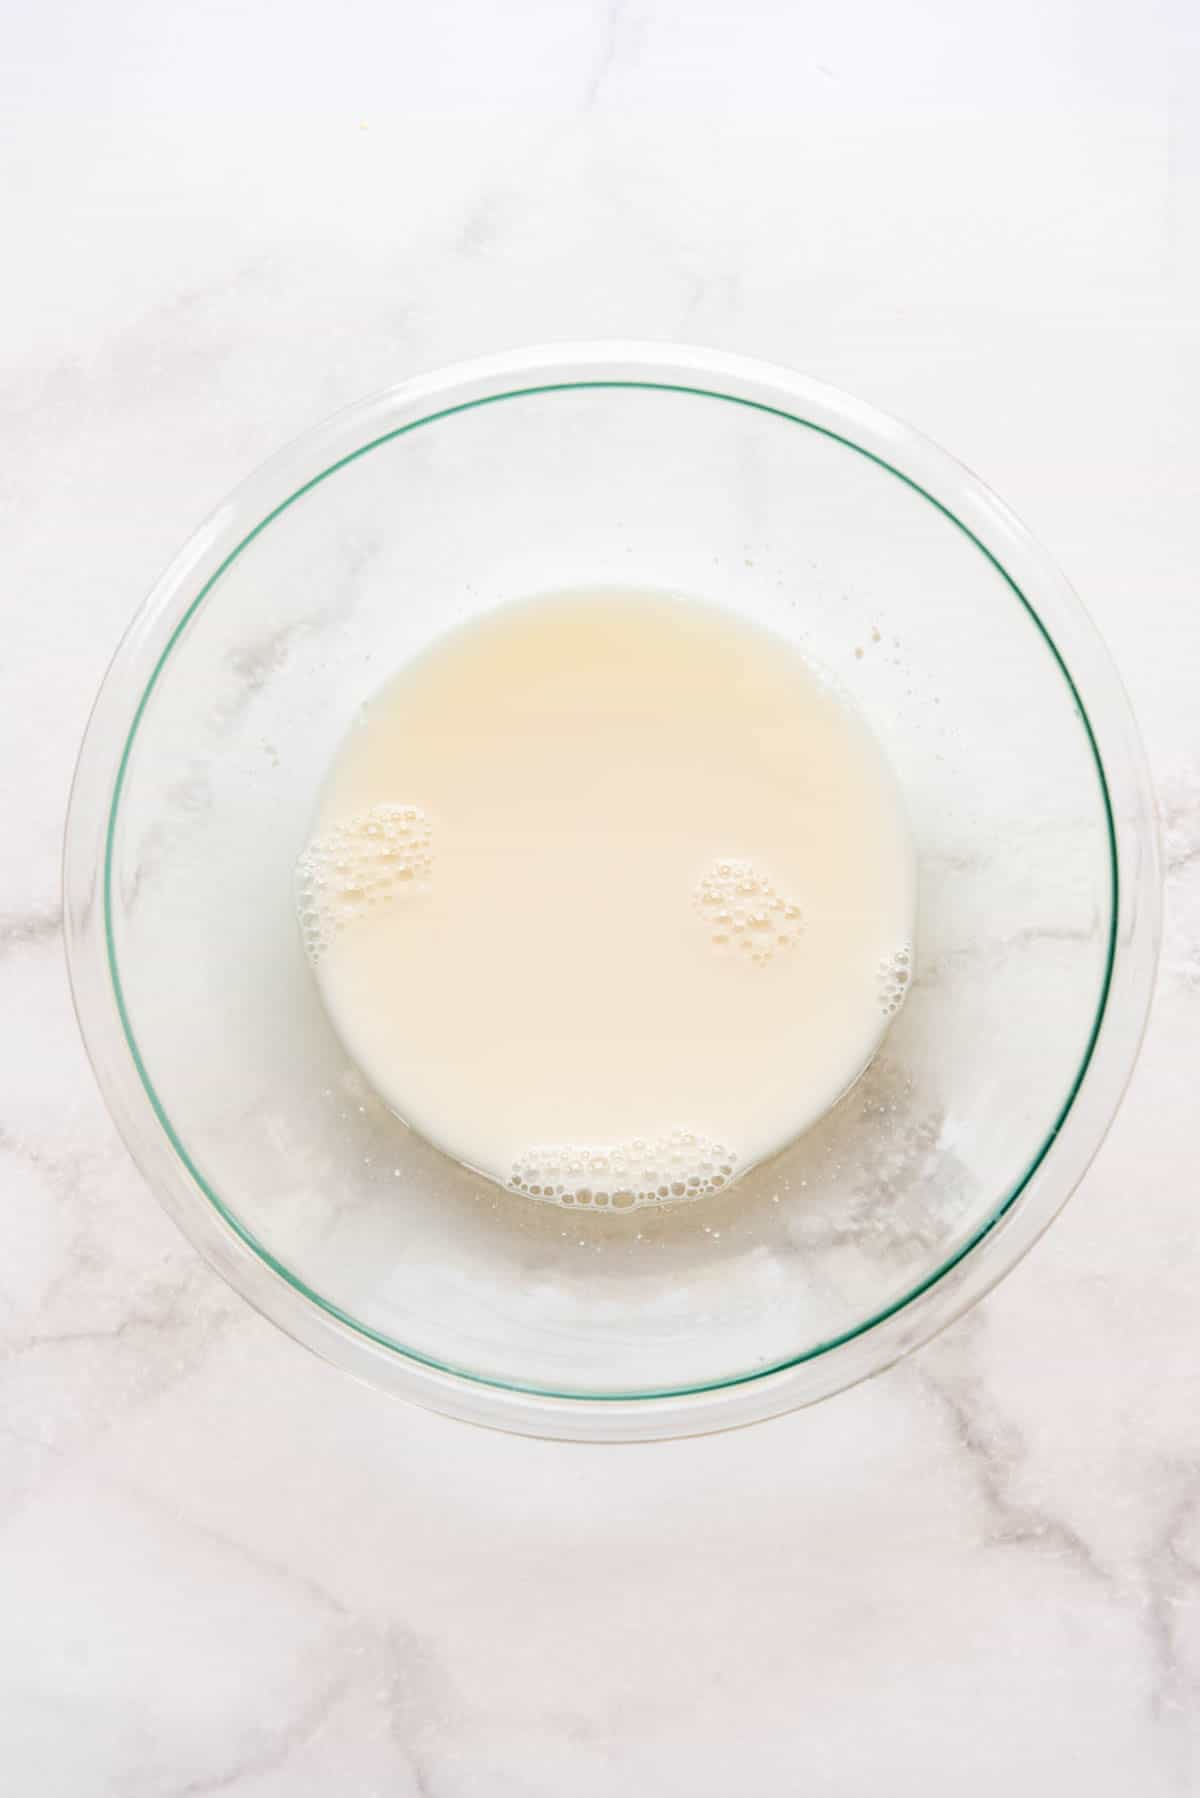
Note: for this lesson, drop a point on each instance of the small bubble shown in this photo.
(675, 1167)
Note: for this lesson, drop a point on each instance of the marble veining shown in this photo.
(613, 17)
(18, 930)
(227, 1568)
(995, 1452)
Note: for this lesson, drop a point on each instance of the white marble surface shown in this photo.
(223, 1566)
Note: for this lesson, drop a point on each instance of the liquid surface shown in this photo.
(610, 896)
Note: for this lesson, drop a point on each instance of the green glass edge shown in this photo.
(327, 1305)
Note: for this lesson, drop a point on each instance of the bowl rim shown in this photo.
(1018, 1218)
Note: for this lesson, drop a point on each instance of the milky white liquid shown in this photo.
(610, 896)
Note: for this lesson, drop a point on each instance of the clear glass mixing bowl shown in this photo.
(895, 569)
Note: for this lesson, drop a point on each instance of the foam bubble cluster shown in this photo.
(894, 975)
(364, 862)
(746, 913)
(625, 1176)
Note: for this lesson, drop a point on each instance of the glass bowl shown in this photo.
(665, 468)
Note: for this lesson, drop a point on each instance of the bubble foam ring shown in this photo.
(366, 861)
(625, 1176)
(745, 912)
(893, 980)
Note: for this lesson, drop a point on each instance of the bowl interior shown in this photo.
(650, 485)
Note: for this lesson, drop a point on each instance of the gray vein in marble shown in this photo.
(62, 1174)
(21, 930)
(415, 1693)
(153, 1319)
(932, 968)
(1180, 818)
(606, 59)
(1179, 814)
(996, 1452)
(278, 1746)
(1180, 859)
(164, 1338)
(130, 1340)
(264, 1564)
(181, 335)
(420, 1701)
(503, 194)
(276, 1751)
(481, 225)
(64, 1171)
(188, 797)
(38, 1443)
(704, 286)
(255, 663)
(1171, 1580)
